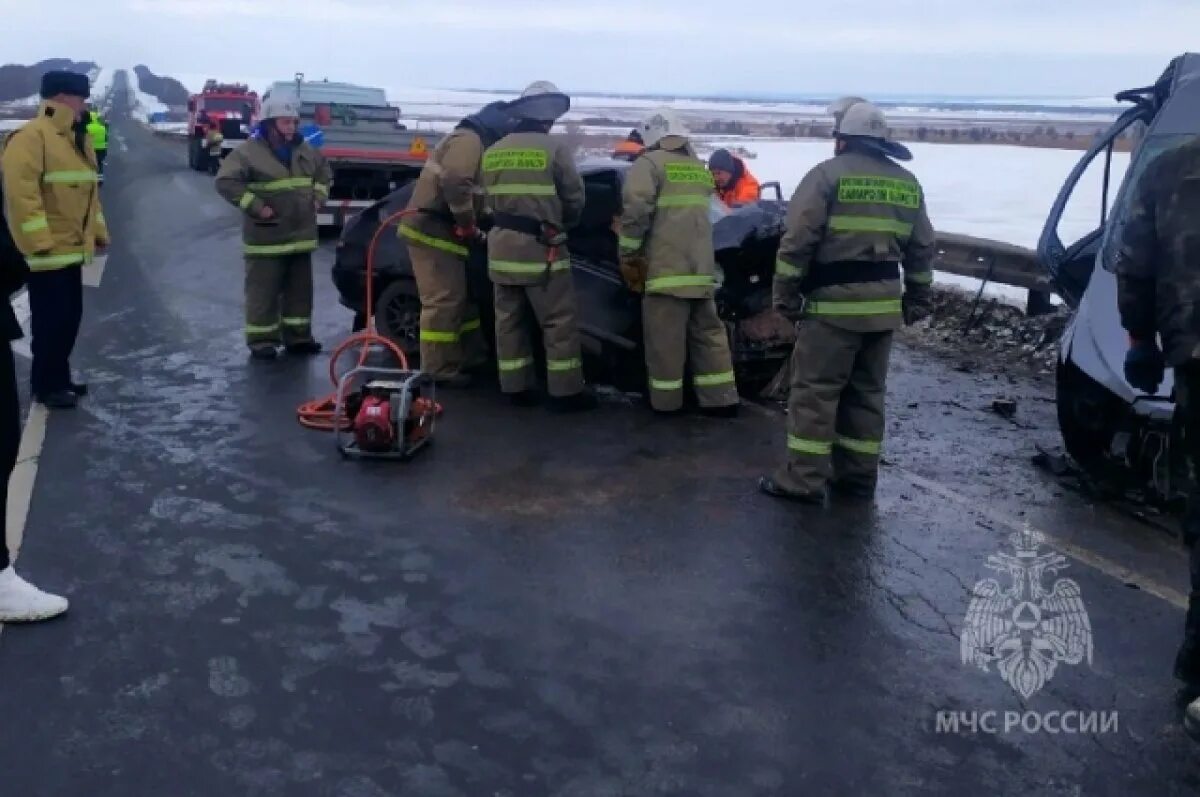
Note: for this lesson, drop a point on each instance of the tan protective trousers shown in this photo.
(553, 305)
(451, 340)
(279, 299)
(835, 408)
(677, 332)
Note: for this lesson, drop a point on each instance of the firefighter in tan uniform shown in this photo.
(277, 180)
(449, 200)
(535, 194)
(666, 251)
(852, 223)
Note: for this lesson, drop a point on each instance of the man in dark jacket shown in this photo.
(20, 601)
(1158, 293)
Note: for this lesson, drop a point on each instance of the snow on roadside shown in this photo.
(990, 191)
(102, 82)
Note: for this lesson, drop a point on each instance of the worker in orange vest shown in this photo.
(631, 147)
(735, 184)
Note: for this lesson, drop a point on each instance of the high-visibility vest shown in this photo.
(98, 132)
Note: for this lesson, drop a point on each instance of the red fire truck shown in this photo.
(218, 118)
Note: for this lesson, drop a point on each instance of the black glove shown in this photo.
(914, 309)
(1144, 365)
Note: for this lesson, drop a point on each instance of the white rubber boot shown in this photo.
(1191, 719)
(21, 602)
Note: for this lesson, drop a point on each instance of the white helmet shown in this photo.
(541, 101)
(863, 119)
(281, 106)
(663, 122)
(837, 109)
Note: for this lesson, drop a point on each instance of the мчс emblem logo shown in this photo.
(1024, 628)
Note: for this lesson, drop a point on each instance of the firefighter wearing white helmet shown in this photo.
(535, 195)
(667, 254)
(278, 181)
(855, 224)
(837, 109)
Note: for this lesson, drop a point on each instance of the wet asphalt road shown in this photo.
(540, 605)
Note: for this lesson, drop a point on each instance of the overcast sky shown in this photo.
(908, 47)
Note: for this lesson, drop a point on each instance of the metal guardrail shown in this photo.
(996, 261)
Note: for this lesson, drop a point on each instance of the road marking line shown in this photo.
(1093, 560)
(23, 478)
(94, 272)
(20, 306)
(1077, 552)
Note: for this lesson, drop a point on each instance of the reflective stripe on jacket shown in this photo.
(531, 175)
(856, 208)
(252, 177)
(51, 191)
(449, 188)
(666, 201)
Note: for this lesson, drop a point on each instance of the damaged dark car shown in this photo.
(745, 240)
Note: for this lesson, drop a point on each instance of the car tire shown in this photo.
(1088, 417)
(398, 317)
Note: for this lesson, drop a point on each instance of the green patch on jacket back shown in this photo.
(879, 191)
(524, 159)
(693, 173)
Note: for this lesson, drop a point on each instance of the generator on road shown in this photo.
(384, 413)
(370, 152)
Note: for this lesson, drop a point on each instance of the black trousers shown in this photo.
(101, 156)
(56, 306)
(10, 438)
(1187, 394)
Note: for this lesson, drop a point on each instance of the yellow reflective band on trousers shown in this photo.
(70, 177)
(691, 173)
(869, 224)
(786, 269)
(919, 277)
(294, 248)
(845, 308)
(267, 330)
(321, 189)
(629, 244)
(564, 365)
(296, 321)
(666, 384)
(522, 189)
(879, 191)
(51, 262)
(246, 201)
(286, 184)
(713, 380)
(526, 267)
(521, 159)
(870, 448)
(35, 224)
(684, 201)
(434, 243)
(434, 336)
(802, 445)
(680, 281)
(515, 364)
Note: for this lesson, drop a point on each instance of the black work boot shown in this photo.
(582, 401)
(525, 398)
(848, 488)
(59, 400)
(79, 388)
(725, 411)
(304, 347)
(264, 351)
(454, 382)
(771, 487)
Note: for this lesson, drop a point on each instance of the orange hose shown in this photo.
(320, 414)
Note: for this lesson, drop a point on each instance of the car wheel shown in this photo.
(398, 317)
(1088, 418)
